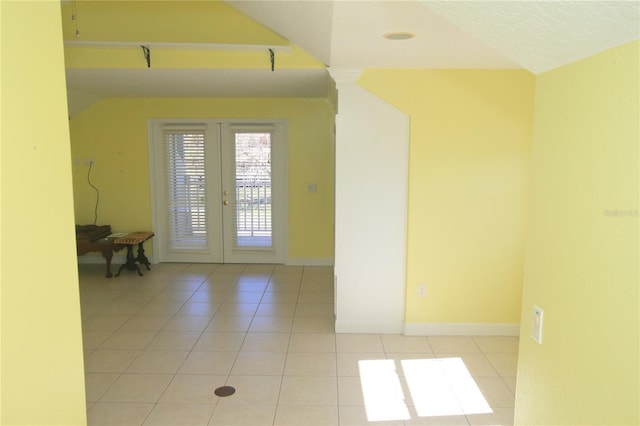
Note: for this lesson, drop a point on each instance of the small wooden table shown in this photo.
(105, 245)
(129, 241)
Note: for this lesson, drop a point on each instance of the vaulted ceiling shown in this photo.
(532, 35)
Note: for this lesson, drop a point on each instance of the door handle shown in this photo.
(225, 202)
(225, 193)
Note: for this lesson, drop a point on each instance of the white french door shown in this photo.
(219, 192)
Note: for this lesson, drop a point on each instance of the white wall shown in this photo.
(372, 143)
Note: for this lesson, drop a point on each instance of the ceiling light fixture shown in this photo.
(401, 35)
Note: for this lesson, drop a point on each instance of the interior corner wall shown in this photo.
(469, 159)
(42, 374)
(582, 259)
(371, 198)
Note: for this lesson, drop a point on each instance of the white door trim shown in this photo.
(214, 205)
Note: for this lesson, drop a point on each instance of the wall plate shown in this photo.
(536, 324)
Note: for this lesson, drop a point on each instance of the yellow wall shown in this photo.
(209, 22)
(42, 361)
(468, 188)
(1, 261)
(164, 21)
(114, 133)
(582, 252)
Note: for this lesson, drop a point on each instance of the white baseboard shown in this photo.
(302, 261)
(461, 329)
(368, 327)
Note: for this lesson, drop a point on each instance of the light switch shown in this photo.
(312, 188)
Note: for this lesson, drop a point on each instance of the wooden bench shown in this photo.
(130, 240)
(98, 238)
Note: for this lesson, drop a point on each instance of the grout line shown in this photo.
(129, 287)
(275, 412)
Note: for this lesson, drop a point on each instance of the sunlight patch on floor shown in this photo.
(382, 391)
(435, 387)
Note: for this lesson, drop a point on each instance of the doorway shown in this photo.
(218, 190)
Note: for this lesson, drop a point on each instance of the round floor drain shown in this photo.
(225, 391)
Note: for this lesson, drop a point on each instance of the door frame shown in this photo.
(155, 184)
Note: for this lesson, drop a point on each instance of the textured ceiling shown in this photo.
(357, 39)
(349, 34)
(535, 35)
(542, 35)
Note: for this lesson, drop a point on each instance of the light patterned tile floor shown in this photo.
(158, 346)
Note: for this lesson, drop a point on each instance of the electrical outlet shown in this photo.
(89, 162)
(422, 290)
(536, 324)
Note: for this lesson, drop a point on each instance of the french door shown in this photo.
(219, 191)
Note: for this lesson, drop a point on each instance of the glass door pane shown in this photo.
(253, 224)
(253, 201)
(186, 188)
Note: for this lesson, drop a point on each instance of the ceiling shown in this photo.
(534, 35)
(348, 35)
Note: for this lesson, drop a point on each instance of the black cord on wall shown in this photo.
(95, 212)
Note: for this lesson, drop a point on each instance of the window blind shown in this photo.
(186, 187)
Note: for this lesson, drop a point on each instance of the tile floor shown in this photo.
(157, 347)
